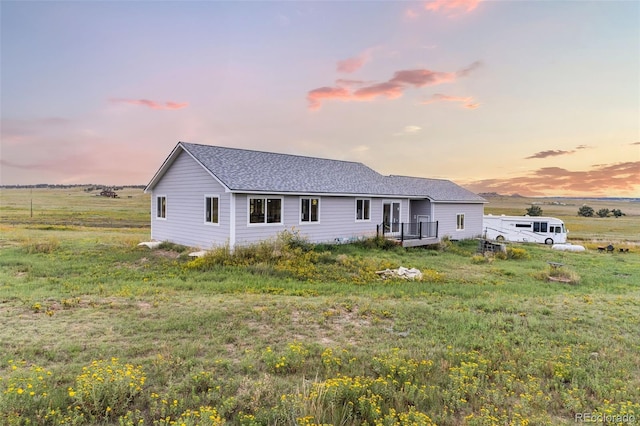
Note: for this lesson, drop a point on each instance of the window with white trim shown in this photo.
(309, 210)
(211, 209)
(161, 207)
(363, 209)
(265, 210)
(460, 222)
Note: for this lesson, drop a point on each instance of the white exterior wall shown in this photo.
(337, 219)
(446, 215)
(185, 184)
(420, 208)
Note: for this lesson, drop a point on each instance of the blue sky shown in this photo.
(529, 97)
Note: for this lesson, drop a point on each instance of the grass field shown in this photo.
(97, 330)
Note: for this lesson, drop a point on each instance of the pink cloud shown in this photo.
(169, 105)
(601, 179)
(390, 89)
(420, 78)
(354, 64)
(439, 97)
(451, 7)
(316, 96)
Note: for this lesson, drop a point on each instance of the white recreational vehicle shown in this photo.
(528, 229)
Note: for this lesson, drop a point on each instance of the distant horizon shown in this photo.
(142, 186)
(528, 97)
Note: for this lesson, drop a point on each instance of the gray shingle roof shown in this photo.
(247, 170)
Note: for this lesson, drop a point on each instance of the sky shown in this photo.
(537, 98)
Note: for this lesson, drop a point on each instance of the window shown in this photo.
(460, 221)
(523, 225)
(211, 209)
(363, 209)
(265, 210)
(309, 210)
(540, 226)
(161, 207)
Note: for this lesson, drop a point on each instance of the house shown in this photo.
(205, 196)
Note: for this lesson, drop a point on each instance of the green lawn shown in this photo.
(97, 330)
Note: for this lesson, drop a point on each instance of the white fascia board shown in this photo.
(459, 202)
(327, 194)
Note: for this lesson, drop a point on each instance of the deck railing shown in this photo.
(408, 230)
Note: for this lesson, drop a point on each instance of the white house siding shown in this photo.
(446, 215)
(185, 185)
(420, 208)
(337, 219)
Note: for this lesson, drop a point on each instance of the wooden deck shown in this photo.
(420, 242)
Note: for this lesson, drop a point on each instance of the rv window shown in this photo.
(539, 226)
(523, 225)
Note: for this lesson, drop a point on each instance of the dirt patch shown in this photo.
(166, 254)
(144, 306)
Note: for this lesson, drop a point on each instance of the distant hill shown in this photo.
(496, 195)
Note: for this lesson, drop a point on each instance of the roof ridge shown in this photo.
(277, 153)
(418, 177)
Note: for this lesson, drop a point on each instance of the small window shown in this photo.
(161, 207)
(309, 210)
(460, 221)
(211, 209)
(523, 225)
(265, 210)
(363, 209)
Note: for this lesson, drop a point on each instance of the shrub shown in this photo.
(517, 253)
(564, 274)
(363, 399)
(290, 361)
(46, 246)
(478, 259)
(166, 245)
(445, 243)
(617, 213)
(25, 394)
(204, 416)
(105, 389)
(534, 211)
(586, 211)
(378, 242)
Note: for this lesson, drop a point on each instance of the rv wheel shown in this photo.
(499, 238)
(548, 241)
